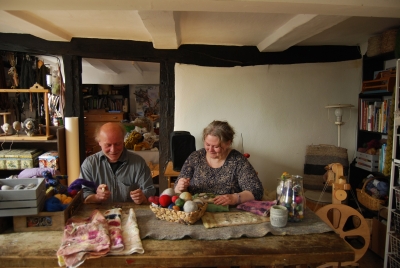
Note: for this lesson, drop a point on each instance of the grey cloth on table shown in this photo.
(151, 227)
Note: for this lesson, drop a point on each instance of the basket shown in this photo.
(388, 40)
(182, 217)
(374, 45)
(368, 201)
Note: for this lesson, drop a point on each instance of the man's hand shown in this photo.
(138, 197)
(102, 193)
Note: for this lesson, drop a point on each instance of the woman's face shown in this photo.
(214, 147)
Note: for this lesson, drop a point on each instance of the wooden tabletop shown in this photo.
(38, 249)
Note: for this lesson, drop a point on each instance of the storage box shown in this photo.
(47, 221)
(49, 160)
(19, 158)
(368, 162)
(24, 201)
(378, 238)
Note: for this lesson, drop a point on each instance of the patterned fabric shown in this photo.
(261, 208)
(84, 238)
(234, 176)
(113, 217)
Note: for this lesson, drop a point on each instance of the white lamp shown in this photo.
(338, 113)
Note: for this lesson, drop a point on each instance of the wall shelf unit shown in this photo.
(393, 221)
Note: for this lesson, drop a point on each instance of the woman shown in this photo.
(219, 169)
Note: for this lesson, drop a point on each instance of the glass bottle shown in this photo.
(291, 195)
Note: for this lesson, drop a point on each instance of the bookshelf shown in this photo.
(115, 98)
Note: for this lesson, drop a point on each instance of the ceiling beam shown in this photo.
(137, 68)
(102, 65)
(297, 29)
(202, 55)
(367, 8)
(163, 26)
(28, 22)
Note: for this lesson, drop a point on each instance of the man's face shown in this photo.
(112, 144)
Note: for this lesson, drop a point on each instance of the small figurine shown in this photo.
(29, 127)
(54, 182)
(17, 126)
(6, 128)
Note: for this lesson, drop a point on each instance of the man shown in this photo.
(121, 175)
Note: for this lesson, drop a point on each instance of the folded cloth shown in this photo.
(36, 172)
(261, 208)
(130, 234)
(84, 238)
(113, 217)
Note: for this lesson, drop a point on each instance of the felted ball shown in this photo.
(164, 200)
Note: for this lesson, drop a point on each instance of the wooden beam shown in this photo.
(203, 55)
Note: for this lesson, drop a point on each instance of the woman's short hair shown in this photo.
(220, 129)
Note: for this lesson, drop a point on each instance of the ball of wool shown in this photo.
(165, 200)
(6, 187)
(19, 187)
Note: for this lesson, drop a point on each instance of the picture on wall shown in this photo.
(147, 100)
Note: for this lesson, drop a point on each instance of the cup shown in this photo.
(278, 216)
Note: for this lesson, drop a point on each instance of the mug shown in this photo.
(278, 216)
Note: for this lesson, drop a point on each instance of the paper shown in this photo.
(72, 148)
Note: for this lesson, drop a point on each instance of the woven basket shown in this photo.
(182, 217)
(374, 46)
(367, 200)
(388, 40)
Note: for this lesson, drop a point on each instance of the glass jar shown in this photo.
(291, 195)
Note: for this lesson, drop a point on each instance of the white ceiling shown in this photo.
(270, 25)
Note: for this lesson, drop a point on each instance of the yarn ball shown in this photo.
(54, 204)
(165, 200)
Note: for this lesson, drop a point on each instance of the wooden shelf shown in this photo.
(36, 88)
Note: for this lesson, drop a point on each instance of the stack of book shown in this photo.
(374, 114)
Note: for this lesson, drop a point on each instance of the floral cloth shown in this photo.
(84, 238)
(261, 208)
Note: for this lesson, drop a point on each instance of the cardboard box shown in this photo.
(19, 158)
(24, 201)
(47, 221)
(49, 160)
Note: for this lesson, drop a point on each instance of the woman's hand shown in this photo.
(102, 193)
(182, 185)
(226, 199)
(138, 196)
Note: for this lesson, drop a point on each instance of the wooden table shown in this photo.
(38, 249)
(170, 173)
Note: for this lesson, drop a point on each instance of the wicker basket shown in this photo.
(179, 216)
(374, 46)
(388, 40)
(368, 201)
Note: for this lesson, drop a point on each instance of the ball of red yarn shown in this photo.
(165, 200)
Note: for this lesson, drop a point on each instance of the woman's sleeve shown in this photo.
(248, 179)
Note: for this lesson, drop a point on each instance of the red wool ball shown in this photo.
(165, 200)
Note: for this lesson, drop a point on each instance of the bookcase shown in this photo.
(392, 247)
(374, 105)
(111, 98)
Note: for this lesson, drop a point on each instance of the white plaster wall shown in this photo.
(91, 75)
(279, 109)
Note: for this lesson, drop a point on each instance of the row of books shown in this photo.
(111, 104)
(374, 114)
